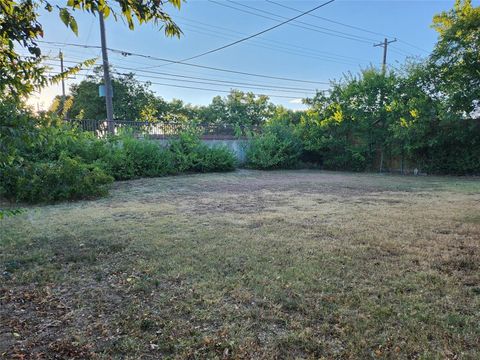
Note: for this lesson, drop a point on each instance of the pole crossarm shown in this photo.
(384, 44)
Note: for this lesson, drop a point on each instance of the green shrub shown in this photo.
(277, 148)
(62, 179)
(185, 150)
(43, 159)
(191, 155)
(215, 159)
(62, 139)
(116, 163)
(148, 158)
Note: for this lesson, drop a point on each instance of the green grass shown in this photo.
(286, 264)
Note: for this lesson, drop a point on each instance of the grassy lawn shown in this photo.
(287, 264)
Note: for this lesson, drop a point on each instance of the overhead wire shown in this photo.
(330, 20)
(310, 27)
(122, 59)
(201, 88)
(184, 78)
(232, 82)
(332, 32)
(282, 43)
(348, 25)
(151, 57)
(206, 80)
(326, 58)
(288, 20)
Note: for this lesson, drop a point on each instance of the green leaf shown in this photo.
(65, 16)
(73, 25)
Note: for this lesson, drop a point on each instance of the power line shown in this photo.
(206, 81)
(286, 45)
(122, 59)
(329, 20)
(213, 83)
(330, 31)
(201, 88)
(185, 78)
(309, 27)
(220, 81)
(347, 25)
(414, 46)
(259, 33)
(282, 49)
(195, 77)
(127, 53)
(202, 78)
(400, 52)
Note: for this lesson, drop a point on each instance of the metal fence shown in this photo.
(166, 130)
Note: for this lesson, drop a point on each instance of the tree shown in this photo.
(176, 111)
(285, 116)
(455, 60)
(131, 99)
(239, 108)
(19, 25)
(19, 76)
(350, 126)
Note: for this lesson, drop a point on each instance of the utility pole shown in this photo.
(60, 54)
(384, 44)
(106, 77)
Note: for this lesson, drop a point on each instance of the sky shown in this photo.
(331, 41)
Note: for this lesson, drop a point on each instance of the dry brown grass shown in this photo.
(287, 264)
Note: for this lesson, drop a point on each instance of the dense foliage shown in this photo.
(425, 116)
(276, 148)
(455, 61)
(38, 163)
(238, 108)
(21, 75)
(63, 179)
(134, 101)
(190, 154)
(20, 26)
(46, 160)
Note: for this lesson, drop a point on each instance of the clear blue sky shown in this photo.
(288, 51)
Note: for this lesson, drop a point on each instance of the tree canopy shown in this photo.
(20, 26)
(455, 60)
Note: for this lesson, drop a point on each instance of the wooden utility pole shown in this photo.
(106, 77)
(60, 54)
(384, 44)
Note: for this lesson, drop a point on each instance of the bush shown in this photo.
(43, 159)
(191, 155)
(116, 163)
(148, 158)
(62, 179)
(185, 150)
(216, 159)
(277, 148)
(62, 139)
